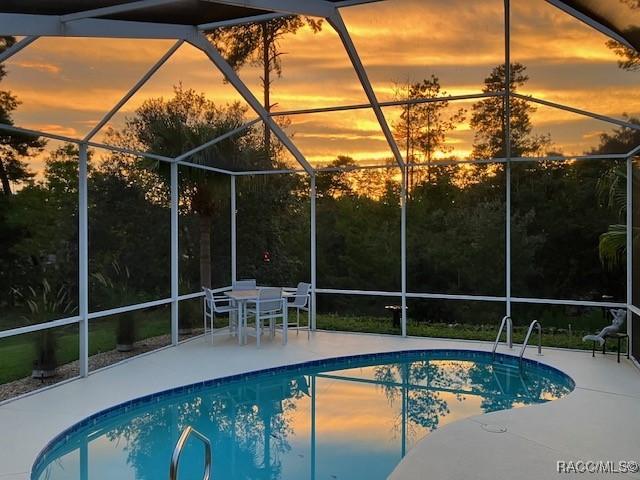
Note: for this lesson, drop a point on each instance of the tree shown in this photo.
(612, 188)
(258, 44)
(629, 57)
(488, 119)
(172, 127)
(424, 126)
(13, 146)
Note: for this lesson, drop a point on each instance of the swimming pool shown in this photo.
(348, 418)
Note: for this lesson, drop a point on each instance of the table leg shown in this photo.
(241, 320)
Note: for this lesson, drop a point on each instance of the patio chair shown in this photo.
(221, 305)
(300, 301)
(270, 305)
(248, 284)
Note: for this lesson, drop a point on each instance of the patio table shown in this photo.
(242, 297)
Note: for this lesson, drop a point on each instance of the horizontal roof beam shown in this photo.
(18, 24)
(314, 8)
(271, 16)
(115, 9)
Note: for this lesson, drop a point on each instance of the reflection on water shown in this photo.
(354, 422)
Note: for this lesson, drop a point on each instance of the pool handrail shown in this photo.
(505, 320)
(177, 451)
(526, 339)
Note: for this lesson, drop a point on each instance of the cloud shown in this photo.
(42, 67)
(398, 40)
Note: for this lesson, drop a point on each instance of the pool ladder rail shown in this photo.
(177, 451)
(506, 321)
(535, 323)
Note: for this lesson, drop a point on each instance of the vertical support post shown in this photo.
(313, 427)
(507, 143)
(403, 246)
(175, 320)
(83, 258)
(629, 221)
(234, 246)
(312, 195)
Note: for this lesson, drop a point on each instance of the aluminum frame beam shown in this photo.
(17, 47)
(218, 139)
(591, 22)
(337, 23)
(404, 194)
(175, 252)
(145, 78)
(20, 24)
(578, 111)
(313, 8)
(507, 149)
(201, 43)
(629, 242)
(83, 259)
(271, 16)
(115, 9)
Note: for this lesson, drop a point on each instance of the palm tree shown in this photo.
(174, 126)
(613, 191)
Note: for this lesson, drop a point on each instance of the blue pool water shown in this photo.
(352, 418)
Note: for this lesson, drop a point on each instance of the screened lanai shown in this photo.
(387, 162)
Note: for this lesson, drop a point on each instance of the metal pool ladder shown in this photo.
(177, 451)
(526, 339)
(505, 321)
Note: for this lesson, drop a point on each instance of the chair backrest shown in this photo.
(208, 294)
(270, 299)
(302, 294)
(249, 284)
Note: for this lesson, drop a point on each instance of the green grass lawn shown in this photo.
(552, 337)
(17, 354)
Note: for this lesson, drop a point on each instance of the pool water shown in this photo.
(340, 419)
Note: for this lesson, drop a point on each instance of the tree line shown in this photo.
(456, 213)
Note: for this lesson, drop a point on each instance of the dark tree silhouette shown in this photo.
(258, 44)
(424, 127)
(13, 147)
(488, 119)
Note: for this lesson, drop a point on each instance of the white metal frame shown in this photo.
(87, 24)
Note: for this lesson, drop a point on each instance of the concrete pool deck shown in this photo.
(599, 420)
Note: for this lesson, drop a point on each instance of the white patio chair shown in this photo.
(219, 305)
(270, 305)
(300, 301)
(248, 284)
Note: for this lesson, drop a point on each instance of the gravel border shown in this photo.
(96, 361)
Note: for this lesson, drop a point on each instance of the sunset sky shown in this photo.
(66, 85)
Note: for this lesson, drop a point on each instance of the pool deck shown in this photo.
(599, 420)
